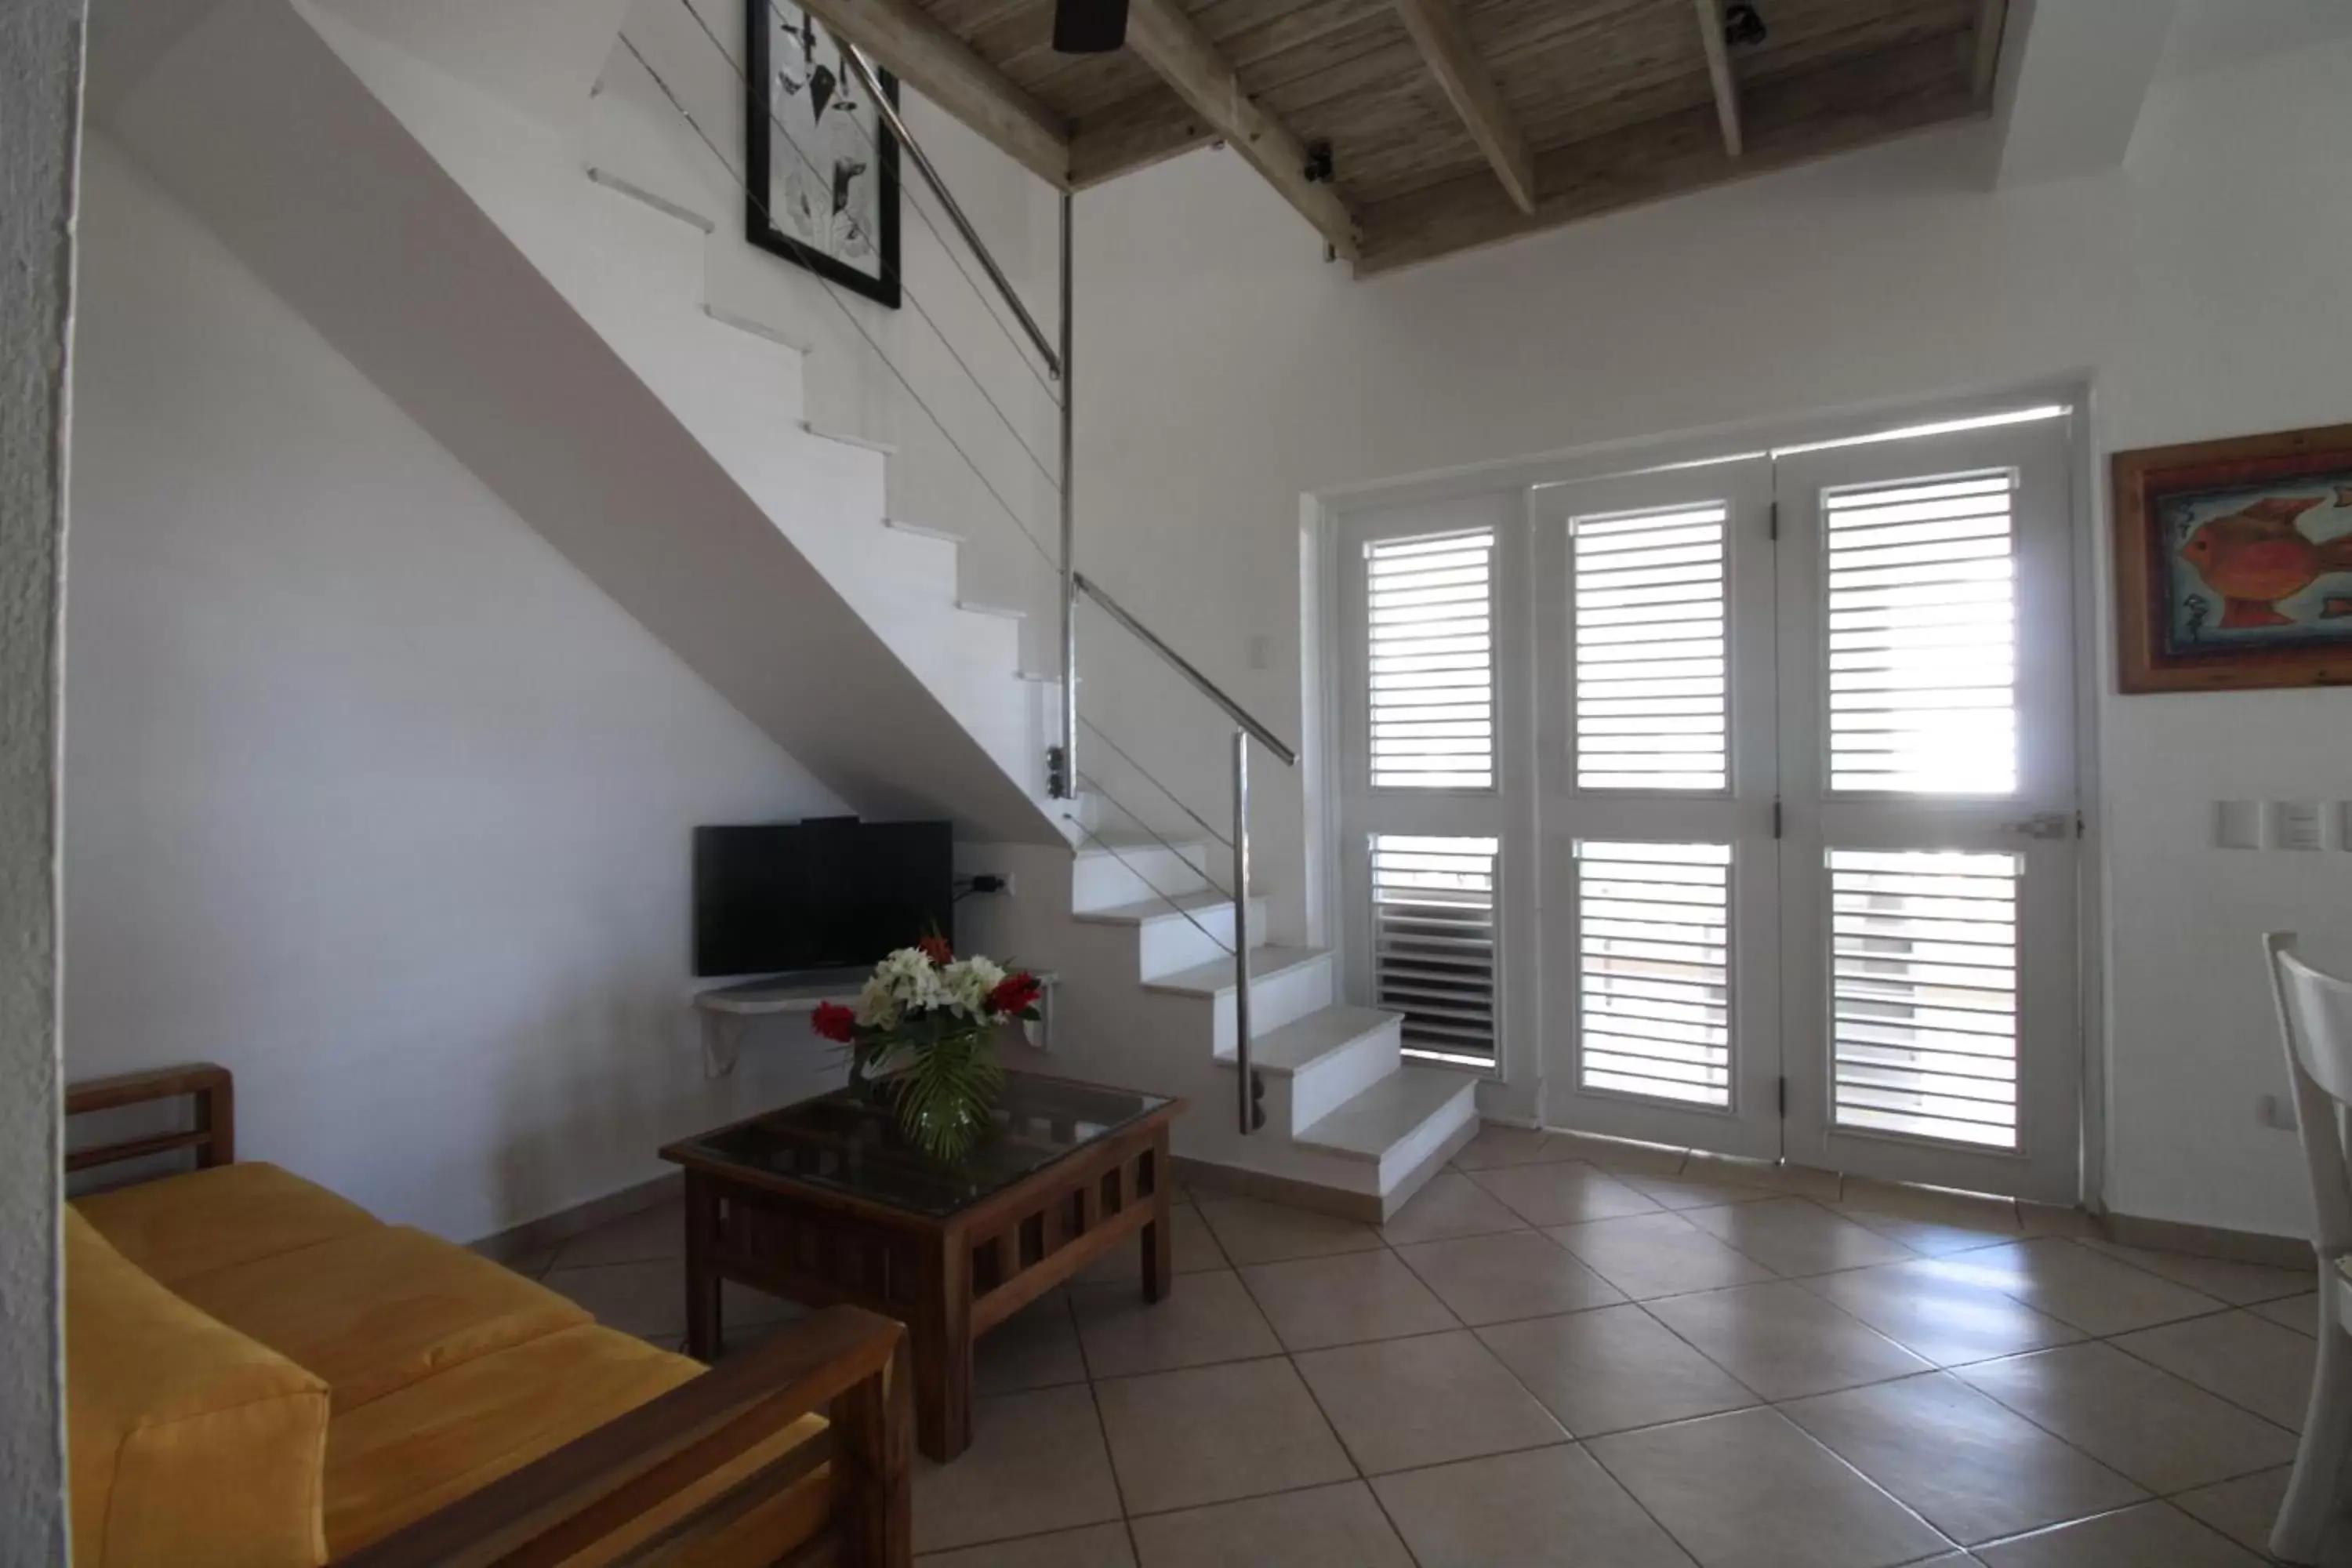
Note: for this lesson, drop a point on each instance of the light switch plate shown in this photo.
(2297, 825)
(2238, 824)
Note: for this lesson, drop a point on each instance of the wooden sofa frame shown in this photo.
(851, 1363)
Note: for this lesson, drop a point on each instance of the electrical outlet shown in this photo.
(2297, 825)
(2274, 1113)
(2238, 824)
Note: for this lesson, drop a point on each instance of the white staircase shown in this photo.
(646, 260)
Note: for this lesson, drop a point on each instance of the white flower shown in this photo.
(912, 980)
(967, 983)
(876, 1008)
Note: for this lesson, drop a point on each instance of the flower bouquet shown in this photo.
(921, 1031)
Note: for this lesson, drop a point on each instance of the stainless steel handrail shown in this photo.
(1207, 688)
(863, 69)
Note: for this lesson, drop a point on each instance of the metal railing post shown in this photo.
(1242, 933)
(1069, 522)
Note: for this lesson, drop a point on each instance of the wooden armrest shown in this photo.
(214, 1136)
(845, 1357)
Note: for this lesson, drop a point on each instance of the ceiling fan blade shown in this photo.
(1089, 26)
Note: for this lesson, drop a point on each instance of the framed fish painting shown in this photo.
(2233, 562)
(822, 167)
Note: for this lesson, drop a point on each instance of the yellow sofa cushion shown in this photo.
(182, 1227)
(396, 1460)
(375, 1311)
(190, 1444)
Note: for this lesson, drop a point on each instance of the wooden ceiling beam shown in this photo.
(1134, 136)
(1719, 74)
(933, 62)
(1991, 16)
(1164, 38)
(1453, 58)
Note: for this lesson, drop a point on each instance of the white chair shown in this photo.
(2315, 1018)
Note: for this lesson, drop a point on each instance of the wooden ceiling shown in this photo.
(1450, 123)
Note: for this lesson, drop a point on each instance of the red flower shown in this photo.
(1016, 993)
(936, 950)
(835, 1021)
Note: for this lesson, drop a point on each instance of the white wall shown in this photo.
(40, 115)
(2202, 290)
(372, 795)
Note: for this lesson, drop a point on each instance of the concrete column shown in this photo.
(41, 51)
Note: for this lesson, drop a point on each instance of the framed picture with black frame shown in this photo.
(823, 185)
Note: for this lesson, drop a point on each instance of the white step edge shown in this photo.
(923, 530)
(663, 205)
(1118, 842)
(884, 447)
(1000, 611)
(1217, 978)
(776, 335)
(1296, 1046)
(1208, 900)
(1042, 676)
(1391, 1111)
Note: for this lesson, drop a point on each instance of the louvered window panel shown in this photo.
(1653, 995)
(1650, 643)
(1433, 942)
(1923, 637)
(1923, 994)
(1432, 639)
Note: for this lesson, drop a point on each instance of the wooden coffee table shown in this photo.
(825, 1202)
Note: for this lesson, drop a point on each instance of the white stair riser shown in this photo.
(1331, 1080)
(1101, 880)
(1404, 1156)
(1167, 943)
(1282, 997)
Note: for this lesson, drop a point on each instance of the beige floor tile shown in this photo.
(530, 1265)
(1782, 1341)
(1096, 1546)
(2158, 1430)
(1547, 1508)
(1565, 1192)
(2244, 1509)
(1037, 1347)
(1424, 1401)
(1205, 1317)
(1192, 1248)
(1250, 1230)
(646, 1299)
(2248, 1360)
(1318, 1301)
(2150, 1535)
(1212, 1434)
(1329, 1526)
(1751, 1489)
(1797, 1237)
(657, 1232)
(2300, 1313)
(2049, 1219)
(1928, 1220)
(1792, 1181)
(2240, 1284)
(1620, 1154)
(1925, 1236)
(1614, 1369)
(1451, 1205)
(1972, 1468)
(1651, 1255)
(1520, 1274)
(2075, 1285)
(1694, 1193)
(1950, 1321)
(1037, 1464)
(1496, 1146)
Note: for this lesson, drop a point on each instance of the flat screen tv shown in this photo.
(827, 893)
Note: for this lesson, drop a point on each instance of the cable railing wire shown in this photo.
(833, 292)
(1163, 895)
(1153, 780)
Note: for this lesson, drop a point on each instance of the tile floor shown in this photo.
(1568, 1354)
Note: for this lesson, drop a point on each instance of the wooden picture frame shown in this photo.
(837, 154)
(2233, 562)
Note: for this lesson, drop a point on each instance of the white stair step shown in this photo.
(757, 329)
(1296, 1047)
(886, 448)
(1001, 611)
(1209, 902)
(923, 530)
(1216, 979)
(1120, 866)
(1390, 1112)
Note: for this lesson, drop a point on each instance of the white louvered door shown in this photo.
(1654, 698)
(1928, 922)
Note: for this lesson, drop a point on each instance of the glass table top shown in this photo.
(850, 1144)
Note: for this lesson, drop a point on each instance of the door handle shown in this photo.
(2047, 825)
